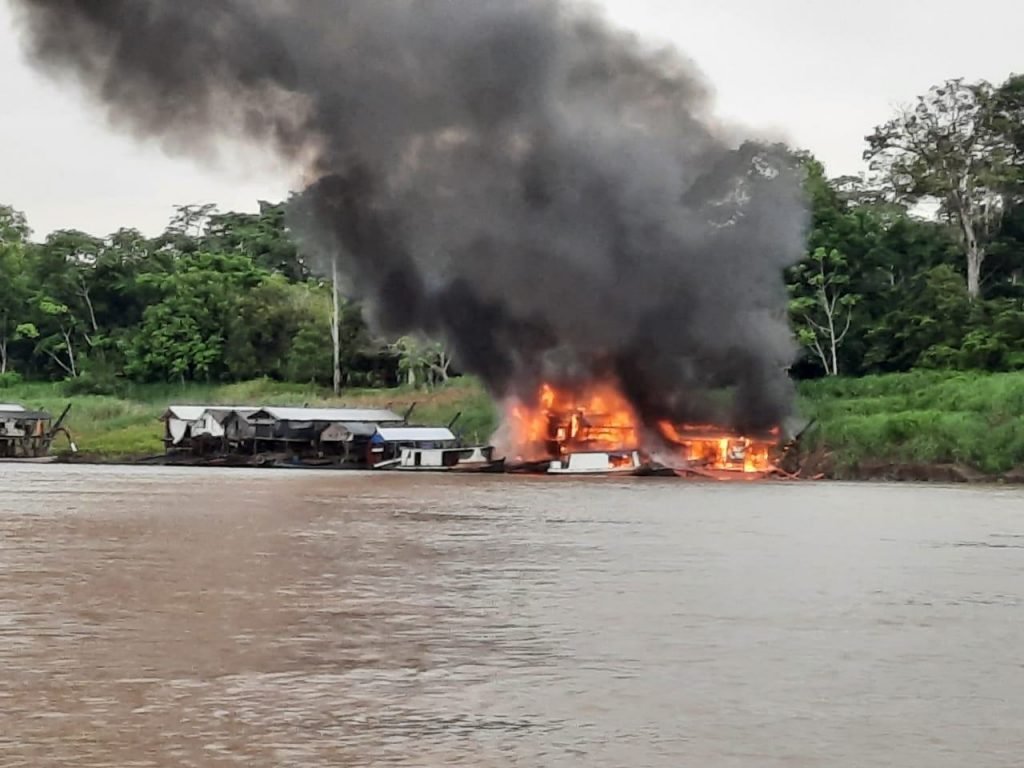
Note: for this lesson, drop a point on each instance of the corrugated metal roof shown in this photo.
(360, 428)
(185, 412)
(415, 434)
(196, 412)
(221, 412)
(376, 416)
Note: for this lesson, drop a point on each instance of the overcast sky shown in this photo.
(816, 73)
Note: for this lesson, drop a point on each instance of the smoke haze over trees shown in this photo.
(544, 193)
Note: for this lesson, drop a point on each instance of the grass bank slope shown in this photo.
(925, 418)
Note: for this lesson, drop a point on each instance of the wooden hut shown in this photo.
(332, 435)
(178, 423)
(199, 428)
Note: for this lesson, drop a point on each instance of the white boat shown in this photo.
(469, 459)
(596, 463)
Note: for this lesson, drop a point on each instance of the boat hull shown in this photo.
(32, 460)
(597, 463)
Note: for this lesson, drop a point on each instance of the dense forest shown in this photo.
(918, 263)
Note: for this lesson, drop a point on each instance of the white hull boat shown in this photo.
(470, 459)
(597, 463)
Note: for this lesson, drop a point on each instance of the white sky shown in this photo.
(816, 73)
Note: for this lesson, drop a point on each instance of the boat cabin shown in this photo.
(596, 463)
(388, 443)
(480, 458)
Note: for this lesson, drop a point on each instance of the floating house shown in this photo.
(275, 434)
(323, 435)
(24, 434)
(198, 428)
(178, 423)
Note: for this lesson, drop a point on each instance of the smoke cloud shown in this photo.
(547, 193)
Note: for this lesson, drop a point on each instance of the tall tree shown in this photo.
(263, 236)
(822, 305)
(15, 286)
(945, 148)
(421, 359)
(1008, 117)
(336, 321)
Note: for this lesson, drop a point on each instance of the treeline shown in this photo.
(222, 297)
(920, 262)
(216, 297)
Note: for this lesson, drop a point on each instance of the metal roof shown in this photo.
(23, 415)
(221, 412)
(415, 434)
(196, 412)
(185, 412)
(376, 416)
(360, 428)
(11, 408)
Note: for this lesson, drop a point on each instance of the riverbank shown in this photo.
(959, 427)
(126, 428)
(950, 427)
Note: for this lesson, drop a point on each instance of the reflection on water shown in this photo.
(205, 618)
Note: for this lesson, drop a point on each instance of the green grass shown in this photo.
(118, 428)
(972, 419)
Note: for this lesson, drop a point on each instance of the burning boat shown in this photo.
(595, 430)
(711, 452)
(597, 462)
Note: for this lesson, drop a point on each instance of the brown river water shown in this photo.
(175, 617)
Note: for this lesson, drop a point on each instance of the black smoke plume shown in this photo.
(544, 191)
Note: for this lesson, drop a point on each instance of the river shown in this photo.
(176, 617)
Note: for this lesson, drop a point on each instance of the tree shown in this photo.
(925, 325)
(336, 322)
(440, 361)
(423, 360)
(946, 148)
(279, 331)
(822, 306)
(56, 334)
(263, 236)
(191, 221)
(15, 287)
(183, 335)
(70, 269)
(1008, 118)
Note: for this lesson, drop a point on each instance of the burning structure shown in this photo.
(561, 424)
(550, 194)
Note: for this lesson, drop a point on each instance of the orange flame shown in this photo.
(707, 447)
(598, 417)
